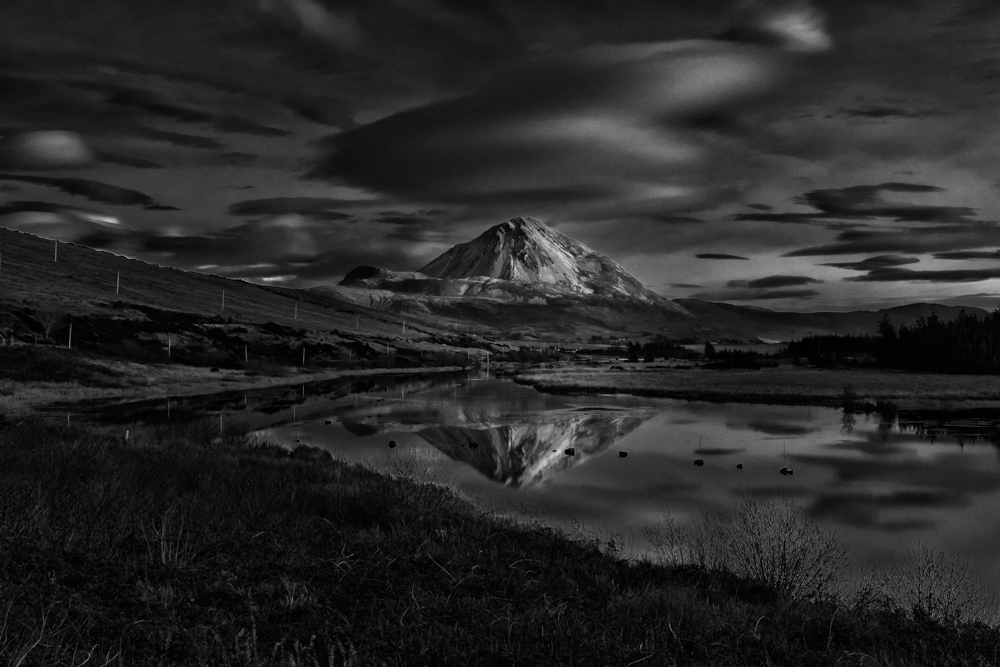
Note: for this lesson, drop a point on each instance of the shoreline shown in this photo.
(24, 398)
(775, 386)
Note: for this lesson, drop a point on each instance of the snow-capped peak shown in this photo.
(527, 250)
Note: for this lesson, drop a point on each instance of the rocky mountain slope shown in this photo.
(528, 251)
(522, 277)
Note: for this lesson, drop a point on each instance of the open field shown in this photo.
(182, 548)
(785, 384)
(110, 378)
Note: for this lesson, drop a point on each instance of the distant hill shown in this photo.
(738, 321)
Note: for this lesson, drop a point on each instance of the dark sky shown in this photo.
(791, 155)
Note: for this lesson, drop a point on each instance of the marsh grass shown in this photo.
(185, 547)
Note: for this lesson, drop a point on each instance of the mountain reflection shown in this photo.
(514, 442)
(528, 452)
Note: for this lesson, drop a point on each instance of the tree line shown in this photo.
(966, 344)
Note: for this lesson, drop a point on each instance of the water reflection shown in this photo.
(510, 434)
(893, 478)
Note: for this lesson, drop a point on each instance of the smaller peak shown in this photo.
(524, 223)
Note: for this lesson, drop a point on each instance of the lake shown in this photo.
(885, 482)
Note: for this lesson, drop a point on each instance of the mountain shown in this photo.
(528, 251)
(521, 277)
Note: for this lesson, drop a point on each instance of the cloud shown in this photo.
(175, 138)
(877, 262)
(402, 218)
(685, 286)
(754, 295)
(45, 150)
(886, 112)
(302, 249)
(968, 254)
(716, 255)
(935, 276)
(128, 161)
(605, 126)
(773, 281)
(65, 223)
(10, 207)
(314, 21)
(917, 240)
(92, 190)
(866, 202)
(317, 208)
(155, 105)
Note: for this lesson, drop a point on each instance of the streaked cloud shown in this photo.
(719, 255)
(601, 129)
(771, 282)
(877, 262)
(92, 190)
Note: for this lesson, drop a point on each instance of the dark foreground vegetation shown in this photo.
(183, 548)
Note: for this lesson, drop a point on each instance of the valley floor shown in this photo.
(785, 384)
(108, 378)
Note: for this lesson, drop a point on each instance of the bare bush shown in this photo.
(49, 317)
(939, 585)
(771, 541)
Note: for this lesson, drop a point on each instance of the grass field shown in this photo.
(181, 548)
(785, 384)
(71, 375)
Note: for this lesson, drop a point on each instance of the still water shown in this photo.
(884, 482)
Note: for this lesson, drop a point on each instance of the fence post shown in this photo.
(118, 282)
(69, 345)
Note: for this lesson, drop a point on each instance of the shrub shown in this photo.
(769, 541)
(938, 585)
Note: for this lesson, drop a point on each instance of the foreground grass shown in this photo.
(180, 548)
(785, 384)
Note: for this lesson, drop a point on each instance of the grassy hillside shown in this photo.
(67, 298)
(83, 281)
(181, 548)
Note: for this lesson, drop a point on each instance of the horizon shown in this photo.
(834, 157)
